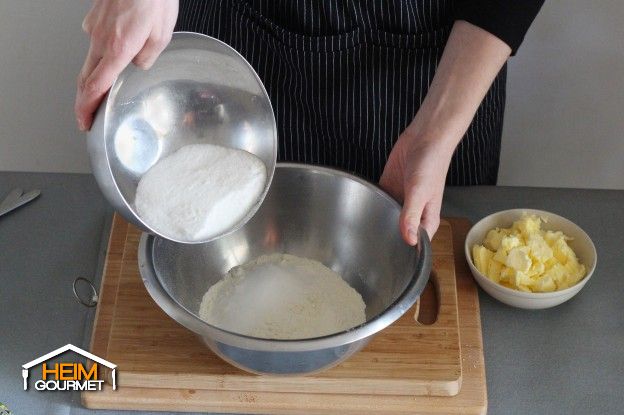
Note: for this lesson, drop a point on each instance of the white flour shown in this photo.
(200, 191)
(282, 296)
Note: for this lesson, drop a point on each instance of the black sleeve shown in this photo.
(508, 20)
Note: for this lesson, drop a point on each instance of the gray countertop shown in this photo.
(566, 360)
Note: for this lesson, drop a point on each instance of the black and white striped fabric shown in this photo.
(346, 77)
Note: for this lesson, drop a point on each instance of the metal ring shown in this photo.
(94, 297)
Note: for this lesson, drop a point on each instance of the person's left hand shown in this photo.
(415, 174)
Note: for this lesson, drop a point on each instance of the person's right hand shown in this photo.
(121, 31)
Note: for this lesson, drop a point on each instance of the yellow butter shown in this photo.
(510, 242)
(527, 226)
(493, 239)
(494, 270)
(526, 258)
(518, 259)
(544, 284)
(538, 247)
(500, 256)
(482, 257)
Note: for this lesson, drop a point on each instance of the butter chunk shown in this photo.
(494, 271)
(537, 268)
(528, 225)
(519, 280)
(553, 236)
(500, 256)
(544, 284)
(508, 276)
(510, 242)
(524, 288)
(482, 257)
(575, 271)
(493, 239)
(518, 259)
(539, 248)
(562, 251)
(550, 263)
(558, 274)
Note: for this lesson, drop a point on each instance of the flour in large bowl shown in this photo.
(200, 191)
(283, 296)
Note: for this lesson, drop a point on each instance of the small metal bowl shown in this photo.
(338, 219)
(199, 90)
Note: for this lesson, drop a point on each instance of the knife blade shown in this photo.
(22, 200)
(11, 198)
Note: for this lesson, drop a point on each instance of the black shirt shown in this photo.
(508, 20)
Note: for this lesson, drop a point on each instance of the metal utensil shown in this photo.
(11, 198)
(15, 199)
(199, 90)
(344, 222)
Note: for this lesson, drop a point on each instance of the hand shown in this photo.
(415, 175)
(416, 169)
(121, 31)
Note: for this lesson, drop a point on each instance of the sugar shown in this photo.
(200, 191)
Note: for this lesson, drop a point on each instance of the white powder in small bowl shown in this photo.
(200, 191)
(283, 296)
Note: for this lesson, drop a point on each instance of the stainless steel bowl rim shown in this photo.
(393, 312)
(137, 220)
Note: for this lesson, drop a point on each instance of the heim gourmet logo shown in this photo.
(69, 376)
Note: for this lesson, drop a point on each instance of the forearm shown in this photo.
(471, 60)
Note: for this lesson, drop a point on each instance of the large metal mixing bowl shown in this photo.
(199, 90)
(338, 219)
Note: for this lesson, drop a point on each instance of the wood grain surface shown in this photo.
(409, 367)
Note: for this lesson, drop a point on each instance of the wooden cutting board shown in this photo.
(409, 367)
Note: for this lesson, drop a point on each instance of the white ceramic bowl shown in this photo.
(581, 244)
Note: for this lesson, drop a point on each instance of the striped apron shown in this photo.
(346, 77)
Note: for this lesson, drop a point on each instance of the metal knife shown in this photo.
(10, 202)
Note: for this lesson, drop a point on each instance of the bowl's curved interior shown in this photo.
(199, 90)
(347, 224)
